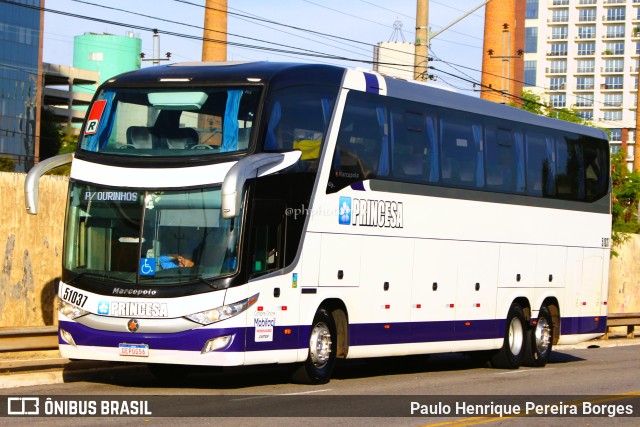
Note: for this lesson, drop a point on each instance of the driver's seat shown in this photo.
(181, 138)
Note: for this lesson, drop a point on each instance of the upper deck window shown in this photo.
(195, 121)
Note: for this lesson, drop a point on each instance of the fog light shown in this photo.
(66, 337)
(216, 344)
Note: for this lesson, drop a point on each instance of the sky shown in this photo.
(344, 28)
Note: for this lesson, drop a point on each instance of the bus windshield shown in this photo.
(161, 122)
(158, 237)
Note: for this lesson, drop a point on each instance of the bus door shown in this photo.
(272, 317)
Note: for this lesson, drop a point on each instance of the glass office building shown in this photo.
(20, 100)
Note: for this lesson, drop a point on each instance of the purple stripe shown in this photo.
(372, 83)
(583, 325)
(358, 186)
(416, 332)
(297, 336)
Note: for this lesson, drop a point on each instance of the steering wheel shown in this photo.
(202, 147)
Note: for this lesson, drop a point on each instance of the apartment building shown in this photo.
(584, 54)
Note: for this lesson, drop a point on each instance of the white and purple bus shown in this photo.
(258, 213)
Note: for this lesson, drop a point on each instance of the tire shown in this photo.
(539, 340)
(512, 351)
(169, 374)
(321, 358)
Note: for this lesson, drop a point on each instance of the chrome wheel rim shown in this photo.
(543, 335)
(320, 345)
(516, 335)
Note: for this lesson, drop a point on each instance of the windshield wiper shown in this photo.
(199, 277)
(99, 276)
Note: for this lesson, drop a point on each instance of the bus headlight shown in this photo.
(221, 313)
(69, 310)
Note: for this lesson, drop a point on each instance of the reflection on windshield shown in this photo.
(159, 237)
(171, 122)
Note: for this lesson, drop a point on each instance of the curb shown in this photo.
(33, 371)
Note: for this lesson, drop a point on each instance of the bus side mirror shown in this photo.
(250, 167)
(31, 181)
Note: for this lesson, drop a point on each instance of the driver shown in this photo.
(175, 261)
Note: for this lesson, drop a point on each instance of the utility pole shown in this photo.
(214, 43)
(156, 51)
(424, 37)
(636, 146)
(422, 41)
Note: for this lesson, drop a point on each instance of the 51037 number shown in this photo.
(74, 297)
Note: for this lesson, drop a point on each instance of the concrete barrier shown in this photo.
(31, 250)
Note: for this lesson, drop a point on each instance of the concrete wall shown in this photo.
(624, 278)
(31, 250)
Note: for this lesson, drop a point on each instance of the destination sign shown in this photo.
(111, 196)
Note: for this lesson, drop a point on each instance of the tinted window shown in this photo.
(297, 120)
(391, 139)
(568, 170)
(538, 164)
(414, 147)
(461, 152)
(504, 160)
(362, 150)
(596, 169)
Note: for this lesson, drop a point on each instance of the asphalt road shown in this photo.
(450, 388)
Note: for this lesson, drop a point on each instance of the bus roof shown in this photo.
(449, 99)
(220, 72)
(287, 73)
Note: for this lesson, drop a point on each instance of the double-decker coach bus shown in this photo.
(239, 214)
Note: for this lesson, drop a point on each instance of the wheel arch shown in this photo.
(340, 315)
(524, 303)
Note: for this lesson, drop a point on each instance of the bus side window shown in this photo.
(461, 153)
(568, 170)
(297, 120)
(596, 171)
(540, 165)
(362, 146)
(503, 160)
(413, 142)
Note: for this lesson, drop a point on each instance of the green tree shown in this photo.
(532, 103)
(69, 142)
(625, 194)
(7, 164)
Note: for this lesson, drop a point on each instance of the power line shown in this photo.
(193, 26)
(306, 30)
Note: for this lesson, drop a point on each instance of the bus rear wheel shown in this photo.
(321, 358)
(539, 340)
(512, 351)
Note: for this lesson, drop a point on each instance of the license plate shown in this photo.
(139, 350)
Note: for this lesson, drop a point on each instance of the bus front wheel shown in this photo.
(539, 340)
(321, 358)
(513, 347)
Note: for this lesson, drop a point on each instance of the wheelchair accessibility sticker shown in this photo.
(147, 266)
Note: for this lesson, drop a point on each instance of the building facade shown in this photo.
(20, 87)
(584, 55)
